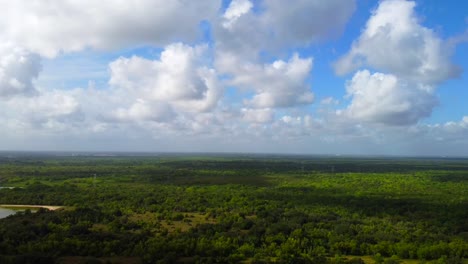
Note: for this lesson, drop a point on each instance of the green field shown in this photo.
(235, 209)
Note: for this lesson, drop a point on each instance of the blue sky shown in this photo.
(320, 77)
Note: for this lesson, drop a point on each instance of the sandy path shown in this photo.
(50, 207)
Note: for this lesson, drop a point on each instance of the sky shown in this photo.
(336, 77)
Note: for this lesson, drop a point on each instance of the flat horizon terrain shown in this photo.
(234, 208)
(178, 154)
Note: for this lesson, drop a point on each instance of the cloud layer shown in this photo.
(409, 61)
(223, 76)
(394, 41)
(64, 26)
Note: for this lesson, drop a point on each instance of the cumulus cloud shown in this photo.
(51, 110)
(18, 69)
(394, 41)
(279, 84)
(384, 98)
(141, 110)
(179, 81)
(237, 31)
(236, 9)
(258, 115)
(293, 25)
(245, 31)
(450, 131)
(410, 60)
(67, 25)
(249, 28)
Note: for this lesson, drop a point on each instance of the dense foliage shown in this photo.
(231, 209)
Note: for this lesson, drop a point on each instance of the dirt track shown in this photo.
(50, 207)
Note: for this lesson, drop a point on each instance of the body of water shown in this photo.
(3, 211)
(6, 212)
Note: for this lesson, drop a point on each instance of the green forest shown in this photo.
(234, 209)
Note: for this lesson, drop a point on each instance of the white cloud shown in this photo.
(51, 110)
(246, 32)
(450, 131)
(394, 41)
(18, 69)
(248, 29)
(236, 9)
(384, 98)
(279, 84)
(410, 60)
(305, 21)
(68, 25)
(181, 78)
(141, 110)
(241, 34)
(258, 115)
